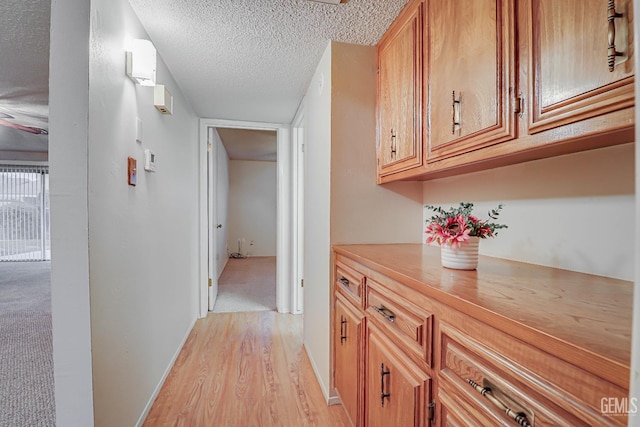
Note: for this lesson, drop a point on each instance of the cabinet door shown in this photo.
(398, 391)
(471, 75)
(570, 78)
(400, 93)
(348, 330)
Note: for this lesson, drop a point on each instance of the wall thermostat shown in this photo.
(149, 160)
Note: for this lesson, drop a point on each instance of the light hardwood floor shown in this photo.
(245, 370)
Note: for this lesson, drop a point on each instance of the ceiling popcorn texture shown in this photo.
(233, 59)
(249, 144)
(24, 74)
(253, 59)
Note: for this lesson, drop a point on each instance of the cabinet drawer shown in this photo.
(408, 323)
(454, 414)
(350, 283)
(486, 382)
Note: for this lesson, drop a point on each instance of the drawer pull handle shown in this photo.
(394, 143)
(383, 394)
(343, 329)
(611, 33)
(388, 314)
(519, 417)
(344, 281)
(456, 104)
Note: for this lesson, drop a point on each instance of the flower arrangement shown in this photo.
(457, 225)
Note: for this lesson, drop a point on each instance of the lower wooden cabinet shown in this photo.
(408, 356)
(455, 414)
(397, 391)
(348, 329)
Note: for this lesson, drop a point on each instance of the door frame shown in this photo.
(212, 218)
(284, 225)
(298, 140)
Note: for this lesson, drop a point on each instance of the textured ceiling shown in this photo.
(24, 74)
(253, 59)
(233, 59)
(247, 144)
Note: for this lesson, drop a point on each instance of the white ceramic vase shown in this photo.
(463, 258)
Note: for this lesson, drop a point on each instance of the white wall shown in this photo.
(143, 240)
(252, 207)
(342, 199)
(222, 202)
(317, 248)
(68, 136)
(566, 212)
(361, 210)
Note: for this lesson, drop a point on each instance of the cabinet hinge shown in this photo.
(517, 105)
(302, 283)
(209, 148)
(432, 411)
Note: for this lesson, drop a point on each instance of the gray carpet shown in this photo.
(26, 352)
(247, 284)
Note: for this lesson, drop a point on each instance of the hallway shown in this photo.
(244, 370)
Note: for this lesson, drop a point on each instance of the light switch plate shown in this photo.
(138, 130)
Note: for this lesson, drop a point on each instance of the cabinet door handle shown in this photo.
(611, 51)
(388, 314)
(343, 329)
(393, 143)
(383, 394)
(518, 417)
(344, 281)
(456, 105)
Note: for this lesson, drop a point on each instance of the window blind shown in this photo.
(24, 213)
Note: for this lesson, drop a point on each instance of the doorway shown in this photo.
(245, 218)
(25, 295)
(210, 246)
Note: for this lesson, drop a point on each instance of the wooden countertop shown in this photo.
(582, 318)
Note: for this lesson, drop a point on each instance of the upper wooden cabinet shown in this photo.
(400, 93)
(471, 74)
(572, 75)
(503, 83)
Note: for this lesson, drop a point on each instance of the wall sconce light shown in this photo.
(141, 63)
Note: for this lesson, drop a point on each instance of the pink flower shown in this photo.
(457, 225)
(436, 233)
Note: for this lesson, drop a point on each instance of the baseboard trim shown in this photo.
(334, 400)
(155, 393)
(226, 260)
(330, 398)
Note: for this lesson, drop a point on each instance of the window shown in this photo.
(24, 213)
